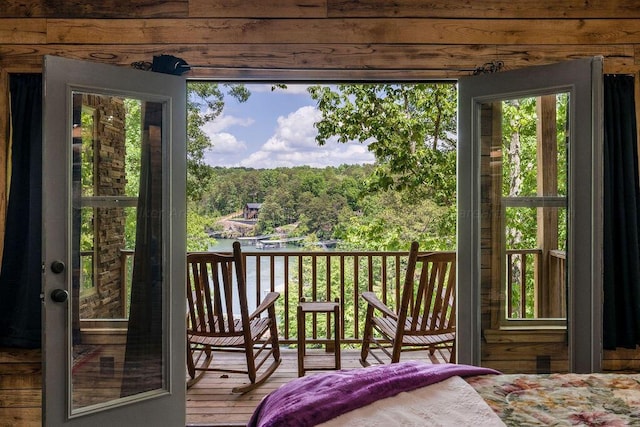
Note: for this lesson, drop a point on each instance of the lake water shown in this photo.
(226, 245)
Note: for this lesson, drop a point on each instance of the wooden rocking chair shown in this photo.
(212, 324)
(426, 314)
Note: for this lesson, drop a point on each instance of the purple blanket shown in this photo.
(312, 400)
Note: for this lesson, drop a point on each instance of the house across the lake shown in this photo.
(251, 211)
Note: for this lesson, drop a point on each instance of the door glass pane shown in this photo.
(117, 316)
(524, 145)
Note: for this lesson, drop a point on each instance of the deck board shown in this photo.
(210, 402)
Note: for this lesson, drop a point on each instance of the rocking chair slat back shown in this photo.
(218, 319)
(428, 296)
(426, 314)
(211, 299)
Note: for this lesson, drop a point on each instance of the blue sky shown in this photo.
(275, 129)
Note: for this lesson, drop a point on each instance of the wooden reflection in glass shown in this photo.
(117, 311)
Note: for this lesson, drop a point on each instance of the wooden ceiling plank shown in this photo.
(23, 31)
(258, 8)
(95, 9)
(504, 9)
(338, 31)
(323, 56)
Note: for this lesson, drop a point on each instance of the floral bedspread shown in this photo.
(562, 399)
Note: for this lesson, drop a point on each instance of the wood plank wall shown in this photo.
(349, 39)
(437, 38)
(20, 387)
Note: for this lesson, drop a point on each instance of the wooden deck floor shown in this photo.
(210, 402)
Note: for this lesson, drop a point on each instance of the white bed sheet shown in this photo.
(451, 402)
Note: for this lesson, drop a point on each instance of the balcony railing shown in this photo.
(344, 275)
(529, 294)
(326, 276)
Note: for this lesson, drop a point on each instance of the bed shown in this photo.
(562, 399)
(418, 394)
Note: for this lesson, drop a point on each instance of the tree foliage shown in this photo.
(520, 165)
(337, 206)
(410, 128)
(520, 170)
(386, 222)
(409, 194)
(205, 102)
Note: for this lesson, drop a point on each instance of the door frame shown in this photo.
(467, 266)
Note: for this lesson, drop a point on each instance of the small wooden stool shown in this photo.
(318, 307)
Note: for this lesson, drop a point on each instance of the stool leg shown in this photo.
(336, 332)
(301, 342)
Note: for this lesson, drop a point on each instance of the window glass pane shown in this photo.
(524, 221)
(534, 146)
(117, 346)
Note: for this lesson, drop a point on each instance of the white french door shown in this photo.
(113, 246)
(564, 202)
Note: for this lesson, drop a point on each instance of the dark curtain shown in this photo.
(621, 316)
(143, 354)
(21, 276)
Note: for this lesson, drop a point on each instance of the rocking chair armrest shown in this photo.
(268, 301)
(373, 300)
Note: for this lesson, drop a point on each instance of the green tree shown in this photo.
(133, 143)
(271, 216)
(520, 171)
(387, 222)
(410, 128)
(205, 101)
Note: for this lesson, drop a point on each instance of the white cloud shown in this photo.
(293, 144)
(226, 143)
(239, 140)
(225, 149)
(295, 131)
(223, 122)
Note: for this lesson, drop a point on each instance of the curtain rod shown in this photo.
(487, 67)
(173, 65)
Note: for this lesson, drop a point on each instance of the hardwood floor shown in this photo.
(211, 403)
